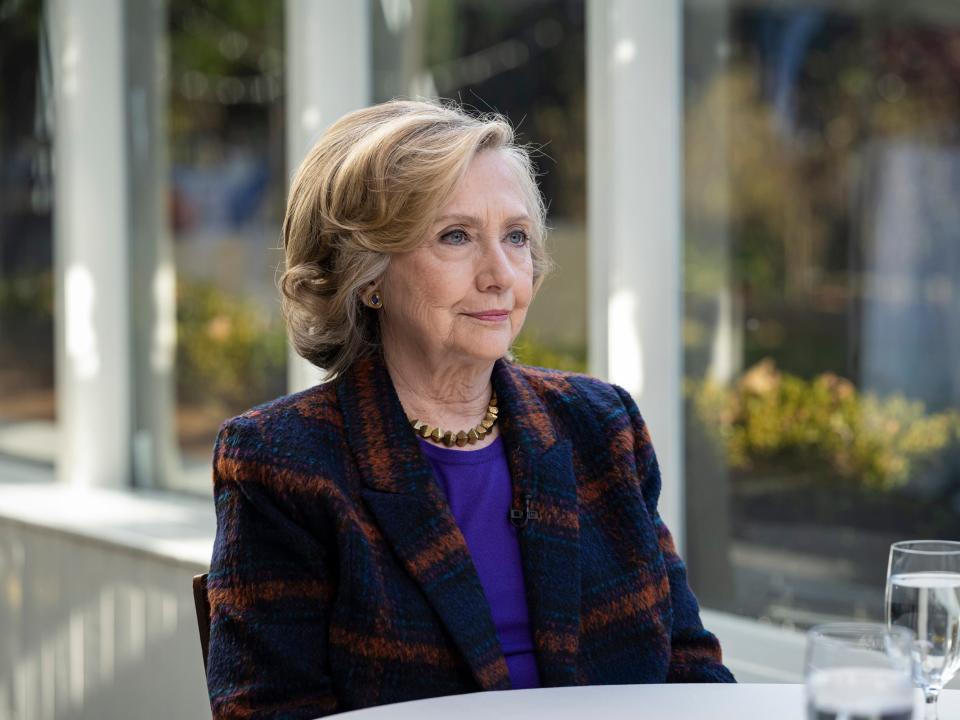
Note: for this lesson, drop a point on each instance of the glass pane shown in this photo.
(822, 291)
(27, 401)
(227, 194)
(525, 60)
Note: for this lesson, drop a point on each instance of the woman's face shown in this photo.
(462, 294)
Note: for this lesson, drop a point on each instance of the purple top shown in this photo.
(478, 487)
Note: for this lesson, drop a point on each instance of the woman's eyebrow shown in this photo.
(475, 221)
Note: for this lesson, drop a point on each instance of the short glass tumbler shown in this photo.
(859, 671)
(923, 595)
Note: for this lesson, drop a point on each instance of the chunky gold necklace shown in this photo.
(450, 438)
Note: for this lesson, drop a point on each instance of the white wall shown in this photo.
(94, 630)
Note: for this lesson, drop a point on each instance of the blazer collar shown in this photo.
(413, 514)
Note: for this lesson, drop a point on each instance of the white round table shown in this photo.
(620, 702)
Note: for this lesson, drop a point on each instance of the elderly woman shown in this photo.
(434, 518)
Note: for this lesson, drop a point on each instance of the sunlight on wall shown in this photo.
(81, 332)
(85, 652)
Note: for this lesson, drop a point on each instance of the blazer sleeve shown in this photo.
(270, 587)
(695, 654)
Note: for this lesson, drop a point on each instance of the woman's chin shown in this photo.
(485, 352)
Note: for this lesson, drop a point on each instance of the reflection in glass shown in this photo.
(822, 293)
(226, 203)
(27, 401)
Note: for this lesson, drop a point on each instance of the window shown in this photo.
(27, 398)
(822, 296)
(227, 194)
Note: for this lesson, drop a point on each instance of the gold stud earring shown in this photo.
(375, 301)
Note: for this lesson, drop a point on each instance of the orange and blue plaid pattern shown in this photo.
(340, 580)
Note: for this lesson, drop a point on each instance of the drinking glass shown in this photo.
(859, 671)
(923, 594)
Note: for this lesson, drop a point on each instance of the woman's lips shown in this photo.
(491, 316)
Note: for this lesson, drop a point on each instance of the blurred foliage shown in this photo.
(228, 350)
(530, 350)
(783, 178)
(224, 37)
(26, 299)
(446, 33)
(226, 83)
(823, 426)
(225, 105)
(26, 332)
(759, 198)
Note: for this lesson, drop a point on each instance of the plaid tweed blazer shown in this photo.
(340, 580)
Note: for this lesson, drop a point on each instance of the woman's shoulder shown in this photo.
(286, 417)
(563, 385)
(284, 451)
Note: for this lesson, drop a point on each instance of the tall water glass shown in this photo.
(923, 594)
(859, 671)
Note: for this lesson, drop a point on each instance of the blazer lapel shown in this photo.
(415, 518)
(541, 465)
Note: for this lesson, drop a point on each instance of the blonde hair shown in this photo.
(368, 189)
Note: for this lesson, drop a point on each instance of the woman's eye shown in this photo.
(517, 237)
(454, 237)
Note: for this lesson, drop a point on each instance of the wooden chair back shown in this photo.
(202, 603)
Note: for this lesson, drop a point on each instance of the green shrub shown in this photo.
(823, 426)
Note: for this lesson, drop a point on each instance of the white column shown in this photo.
(634, 76)
(328, 75)
(91, 262)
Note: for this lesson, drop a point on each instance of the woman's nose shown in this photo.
(496, 271)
